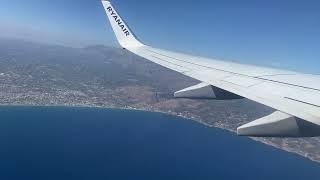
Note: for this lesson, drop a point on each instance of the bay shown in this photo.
(93, 144)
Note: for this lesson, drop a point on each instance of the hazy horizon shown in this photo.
(281, 34)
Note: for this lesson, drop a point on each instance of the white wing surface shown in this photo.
(295, 96)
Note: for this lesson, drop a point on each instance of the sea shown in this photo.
(59, 143)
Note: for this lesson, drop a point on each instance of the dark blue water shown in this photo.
(96, 144)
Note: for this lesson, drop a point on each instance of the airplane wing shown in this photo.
(295, 96)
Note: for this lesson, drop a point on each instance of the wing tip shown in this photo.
(123, 33)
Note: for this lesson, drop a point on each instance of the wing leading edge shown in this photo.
(296, 96)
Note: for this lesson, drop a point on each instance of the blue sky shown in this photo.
(277, 33)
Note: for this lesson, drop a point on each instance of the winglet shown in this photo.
(122, 31)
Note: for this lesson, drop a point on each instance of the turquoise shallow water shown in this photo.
(93, 144)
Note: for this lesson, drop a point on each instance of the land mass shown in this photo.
(99, 76)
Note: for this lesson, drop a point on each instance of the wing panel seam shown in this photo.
(302, 102)
(256, 77)
(171, 63)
